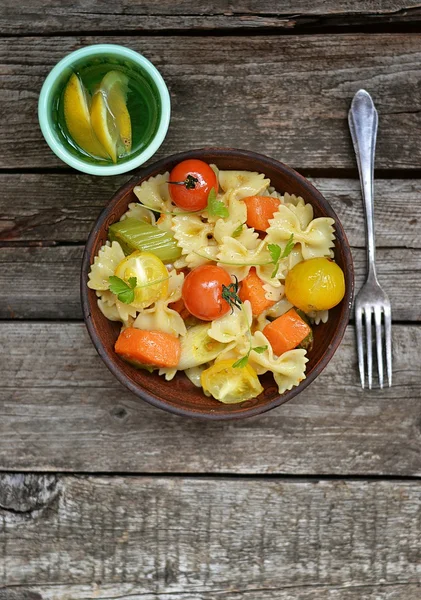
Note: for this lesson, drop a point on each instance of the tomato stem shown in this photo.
(189, 182)
(230, 295)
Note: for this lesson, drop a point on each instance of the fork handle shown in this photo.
(363, 121)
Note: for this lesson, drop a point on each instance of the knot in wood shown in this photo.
(24, 493)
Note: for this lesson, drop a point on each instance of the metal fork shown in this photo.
(371, 300)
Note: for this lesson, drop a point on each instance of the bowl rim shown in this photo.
(160, 166)
(45, 99)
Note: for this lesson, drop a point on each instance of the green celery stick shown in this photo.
(133, 235)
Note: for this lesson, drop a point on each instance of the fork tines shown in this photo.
(382, 322)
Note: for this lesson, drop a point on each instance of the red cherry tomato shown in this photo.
(187, 193)
(202, 292)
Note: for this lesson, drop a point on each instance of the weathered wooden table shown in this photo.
(102, 496)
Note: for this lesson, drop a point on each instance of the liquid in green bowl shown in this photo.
(143, 104)
(148, 103)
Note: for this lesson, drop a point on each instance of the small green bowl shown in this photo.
(56, 80)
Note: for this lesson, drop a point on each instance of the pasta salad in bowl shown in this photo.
(217, 284)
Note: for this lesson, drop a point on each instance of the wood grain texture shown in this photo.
(61, 410)
(227, 538)
(54, 17)
(118, 591)
(43, 282)
(283, 95)
(63, 207)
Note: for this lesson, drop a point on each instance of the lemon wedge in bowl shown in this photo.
(78, 120)
(109, 115)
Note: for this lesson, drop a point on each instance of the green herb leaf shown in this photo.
(230, 295)
(277, 254)
(237, 232)
(260, 349)
(216, 208)
(289, 247)
(241, 362)
(124, 291)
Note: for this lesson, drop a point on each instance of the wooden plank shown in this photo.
(118, 591)
(61, 410)
(177, 538)
(286, 96)
(52, 17)
(63, 207)
(43, 282)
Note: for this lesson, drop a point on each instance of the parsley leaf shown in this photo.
(276, 252)
(124, 291)
(289, 247)
(216, 208)
(241, 362)
(237, 232)
(259, 349)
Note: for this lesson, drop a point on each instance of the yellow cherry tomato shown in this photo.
(229, 384)
(151, 277)
(315, 284)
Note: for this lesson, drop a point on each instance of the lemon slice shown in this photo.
(103, 125)
(109, 115)
(151, 277)
(78, 121)
(114, 86)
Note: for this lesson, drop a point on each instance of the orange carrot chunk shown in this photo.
(259, 210)
(151, 348)
(286, 332)
(252, 290)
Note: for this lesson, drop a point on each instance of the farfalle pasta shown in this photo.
(208, 273)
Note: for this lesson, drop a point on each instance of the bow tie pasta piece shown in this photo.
(126, 312)
(243, 234)
(237, 208)
(139, 212)
(154, 192)
(286, 264)
(235, 258)
(273, 293)
(288, 369)
(318, 316)
(232, 326)
(105, 264)
(304, 212)
(195, 373)
(191, 232)
(316, 240)
(195, 238)
(108, 308)
(288, 198)
(115, 310)
(175, 285)
(243, 183)
(202, 256)
(160, 318)
(270, 191)
(169, 373)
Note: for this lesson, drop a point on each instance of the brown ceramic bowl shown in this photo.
(180, 396)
